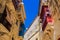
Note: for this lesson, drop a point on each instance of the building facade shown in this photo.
(11, 18)
(33, 33)
(50, 18)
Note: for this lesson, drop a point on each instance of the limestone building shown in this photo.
(33, 31)
(50, 18)
(10, 19)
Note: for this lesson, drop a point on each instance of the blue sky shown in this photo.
(31, 9)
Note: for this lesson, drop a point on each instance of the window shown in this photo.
(36, 38)
(22, 31)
